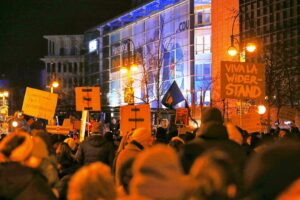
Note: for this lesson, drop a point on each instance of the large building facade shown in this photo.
(275, 26)
(171, 38)
(64, 63)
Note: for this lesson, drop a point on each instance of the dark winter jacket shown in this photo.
(19, 182)
(95, 148)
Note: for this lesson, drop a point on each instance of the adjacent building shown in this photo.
(275, 26)
(64, 63)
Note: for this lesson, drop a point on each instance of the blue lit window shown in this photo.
(206, 70)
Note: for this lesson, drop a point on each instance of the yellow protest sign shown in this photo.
(241, 80)
(134, 116)
(88, 98)
(39, 103)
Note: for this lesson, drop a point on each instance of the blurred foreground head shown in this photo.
(272, 172)
(157, 174)
(212, 115)
(92, 182)
(216, 176)
(20, 147)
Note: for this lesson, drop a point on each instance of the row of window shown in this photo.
(65, 67)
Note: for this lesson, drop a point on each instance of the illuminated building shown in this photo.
(179, 31)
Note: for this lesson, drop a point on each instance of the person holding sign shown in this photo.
(95, 148)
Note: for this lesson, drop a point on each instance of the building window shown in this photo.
(65, 68)
(62, 51)
(75, 68)
(70, 67)
(53, 68)
(81, 67)
(59, 67)
(203, 44)
(203, 17)
(48, 67)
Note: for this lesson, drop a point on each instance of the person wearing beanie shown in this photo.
(71, 143)
(157, 174)
(95, 148)
(212, 115)
(140, 139)
(91, 182)
(215, 174)
(21, 173)
(212, 131)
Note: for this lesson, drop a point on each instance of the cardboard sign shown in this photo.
(182, 116)
(134, 116)
(58, 129)
(242, 80)
(287, 113)
(39, 103)
(88, 98)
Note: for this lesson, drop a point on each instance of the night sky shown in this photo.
(24, 22)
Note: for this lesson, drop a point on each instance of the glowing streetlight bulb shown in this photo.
(134, 68)
(6, 93)
(124, 70)
(55, 84)
(14, 124)
(261, 109)
(232, 51)
(251, 47)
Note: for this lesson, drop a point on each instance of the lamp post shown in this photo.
(4, 95)
(232, 50)
(129, 66)
(53, 85)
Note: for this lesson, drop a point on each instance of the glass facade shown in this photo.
(164, 40)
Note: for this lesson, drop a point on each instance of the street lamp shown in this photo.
(53, 85)
(4, 95)
(130, 66)
(232, 50)
(4, 108)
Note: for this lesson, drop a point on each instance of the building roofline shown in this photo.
(136, 9)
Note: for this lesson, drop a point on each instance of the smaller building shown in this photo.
(64, 63)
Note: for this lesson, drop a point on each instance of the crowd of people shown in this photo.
(217, 161)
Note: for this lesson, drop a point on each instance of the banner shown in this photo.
(88, 98)
(173, 96)
(242, 80)
(39, 103)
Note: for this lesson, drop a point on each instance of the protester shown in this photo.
(215, 175)
(272, 172)
(95, 148)
(92, 182)
(25, 168)
(140, 139)
(125, 177)
(161, 136)
(72, 144)
(157, 174)
(177, 143)
(67, 166)
(20, 182)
